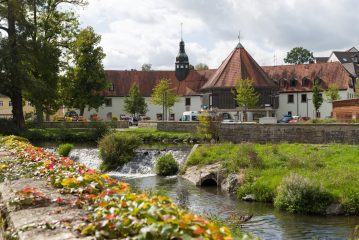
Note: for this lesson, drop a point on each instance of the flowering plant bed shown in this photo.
(114, 211)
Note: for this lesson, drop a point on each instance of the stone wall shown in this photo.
(292, 133)
(147, 124)
(118, 124)
(177, 126)
(275, 133)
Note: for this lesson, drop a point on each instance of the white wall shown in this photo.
(117, 108)
(300, 109)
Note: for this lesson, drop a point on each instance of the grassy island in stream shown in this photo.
(302, 178)
(114, 210)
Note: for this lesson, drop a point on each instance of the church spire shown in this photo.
(239, 45)
(182, 63)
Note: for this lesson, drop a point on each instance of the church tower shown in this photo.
(182, 63)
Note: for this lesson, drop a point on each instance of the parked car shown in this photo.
(285, 119)
(72, 114)
(190, 116)
(133, 121)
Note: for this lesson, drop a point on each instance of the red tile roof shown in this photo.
(147, 80)
(239, 65)
(328, 73)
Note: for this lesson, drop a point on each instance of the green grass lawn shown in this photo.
(334, 167)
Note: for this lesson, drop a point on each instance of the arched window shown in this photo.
(305, 82)
(293, 82)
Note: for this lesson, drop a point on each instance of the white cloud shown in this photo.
(136, 32)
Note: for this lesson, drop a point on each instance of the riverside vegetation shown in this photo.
(299, 178)
(114, 210)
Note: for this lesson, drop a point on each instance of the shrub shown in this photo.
(261, 192)
(7, 127)
(297, 194)
(167, 165)
(65, 149)
(117, 149)
(351, 202)
(208, 127)
(114, 119)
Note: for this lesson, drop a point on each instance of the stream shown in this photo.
(266, 223)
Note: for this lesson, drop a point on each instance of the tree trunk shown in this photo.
(16, 96)
(39, 114)
(17, 111)
(82, 110)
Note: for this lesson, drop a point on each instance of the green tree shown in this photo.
(209, 126)
(87, 78)
(299, 55)
(13, 27)
(332, 93)
(164, 96)
(201, 66)
(245, 95)
(134, 102)
(146, 67)
(53, 29)
(317, 96)
(357, 88)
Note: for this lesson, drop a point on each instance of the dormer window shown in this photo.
(293, 82)
(305, 82)
(355, 59)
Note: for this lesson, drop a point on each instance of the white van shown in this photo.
(191, 116)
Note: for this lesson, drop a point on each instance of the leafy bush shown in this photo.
(296, 194)
(351, 202)
(7, 127)
(208, 127)
(65, 149)
(117, 149)
(167, 165)
(261, 192)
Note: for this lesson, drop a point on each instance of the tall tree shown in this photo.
(146, 67)
(87, 78)
(164, 96)
(13, 24)
(53, 28)
(299, 55)
(134, 102)
(245, 95)
(317, 96)
(201, 66)
(332, 93)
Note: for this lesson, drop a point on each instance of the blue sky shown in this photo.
(148, 31)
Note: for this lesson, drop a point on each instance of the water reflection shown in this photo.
(266, 223)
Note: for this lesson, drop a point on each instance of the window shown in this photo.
(10, 104)
(290, 98)
(305, 82)
(188, 102)
(289, 113)
(304, 98)
(1, 103)
(293, 83)
(172, 117)
(318, 114)
(108, 102)
(159, 116)
(112, 88)
(186, 66)
(182, 66)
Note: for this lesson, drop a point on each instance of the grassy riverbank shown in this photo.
(328, 169)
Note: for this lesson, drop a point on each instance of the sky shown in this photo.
(135, 32)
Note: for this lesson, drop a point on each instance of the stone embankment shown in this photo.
(40, 220)
(213, 175)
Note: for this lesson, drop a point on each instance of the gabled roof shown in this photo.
(328, 73)
(353, 49)
(147, 80)
(239, 65)
(321, 59)
(345, 57)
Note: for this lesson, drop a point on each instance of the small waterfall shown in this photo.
(141, 166)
